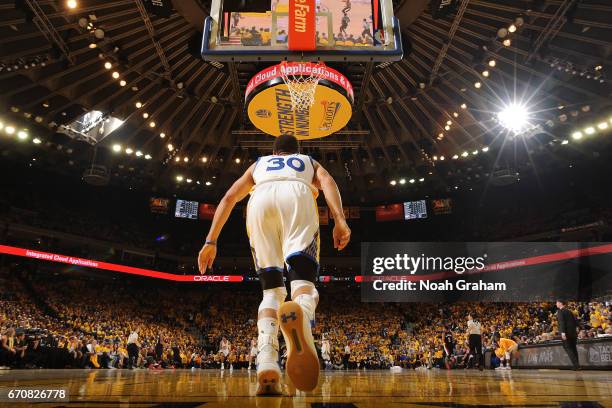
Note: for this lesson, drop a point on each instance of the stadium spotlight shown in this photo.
(189, 180)
(117, 148)
(507, 42)
(152, 124)
(162, 135)
(179, 178)
(590, 130)
(204, 159)
(22, 135)
(455, 157)
(477, 85)
(402, 181)
(463, 106)
(485, 149)
(464, 154)
(602, 126)
(148, 157)
(145, 115)
(447, 127)
(108, 65)
(237, 160)
(393, 182)
(422, 179)
(9, 130)
(492, 63)
(411, 181)
(138, 153)
(565, 142)
(512, 28)
(170, 147)
(138, 105)
(485, 73)
(115, 75)
(208, 183)
(577, 135)
(72, 4)
(122, 82)
(129, 151)
(36, 141)
(514, 117)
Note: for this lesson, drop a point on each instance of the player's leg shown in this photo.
(263, 227)
(301, 250)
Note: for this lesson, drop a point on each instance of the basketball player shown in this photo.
(344, 25)
(504, 352)
(347, 6)
(224, 348)
(283, 227)
(449, 348)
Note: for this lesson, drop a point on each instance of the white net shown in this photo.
(302, 85)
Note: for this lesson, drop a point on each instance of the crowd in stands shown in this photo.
(56, 322)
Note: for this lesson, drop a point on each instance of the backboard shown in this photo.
(301, 30)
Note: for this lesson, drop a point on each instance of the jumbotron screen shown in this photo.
(415, 210)
(186, 209)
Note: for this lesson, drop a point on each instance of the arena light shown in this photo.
(475, 152)
(148, 157)
(9, 130)
(577, 135)
(108, 65)
(463, 106)
(138, 105)
(464, 154)
(447, 127)
(22, 135)
(514, 117)
(129, 151)
(138, 153)
(492, 63)
(512, 28)
(152, 124)
(602, 126)
(162, 135)
(145, 115)
(122, 82)
(411, 181)
(449, 122)
(485, 149)
(393, 182)
(115, 75)
(36, 141)
(170, 147)
(208, 183)
(485, 73)
(179, 178)
(455, 114)
(237, 160)
(402, 181)
(204, 159)
(507, 42)
(565, 142)
(177, 159)
(116, 148)
(189, 180)
(455, 157)
(477, 85)
(72, 4)
(590, 130)
(442, 158)
(422, 179)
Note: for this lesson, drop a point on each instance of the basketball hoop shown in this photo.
(302, 80)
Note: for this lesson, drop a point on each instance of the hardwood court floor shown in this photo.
(214, 388)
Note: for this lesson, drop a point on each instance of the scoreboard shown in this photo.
(415, 210)
(186, 209)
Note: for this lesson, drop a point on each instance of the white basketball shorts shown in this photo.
(282, 221)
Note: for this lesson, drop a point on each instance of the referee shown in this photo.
(132, 349)
(474, 332)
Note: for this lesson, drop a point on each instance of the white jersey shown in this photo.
(293, 167)
(282, 215)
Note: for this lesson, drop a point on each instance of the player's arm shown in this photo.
(326, 183)
(237, 192)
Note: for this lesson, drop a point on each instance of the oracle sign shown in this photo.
(66, 259)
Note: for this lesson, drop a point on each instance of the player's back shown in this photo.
(293, 167)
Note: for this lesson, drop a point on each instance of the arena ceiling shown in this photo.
(428, 122)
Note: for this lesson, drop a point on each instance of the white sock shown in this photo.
(308, 305)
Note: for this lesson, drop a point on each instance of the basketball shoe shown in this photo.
(302, 361)
(268, 371)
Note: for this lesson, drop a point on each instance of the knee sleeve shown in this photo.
(302, 268)
(272, 298)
